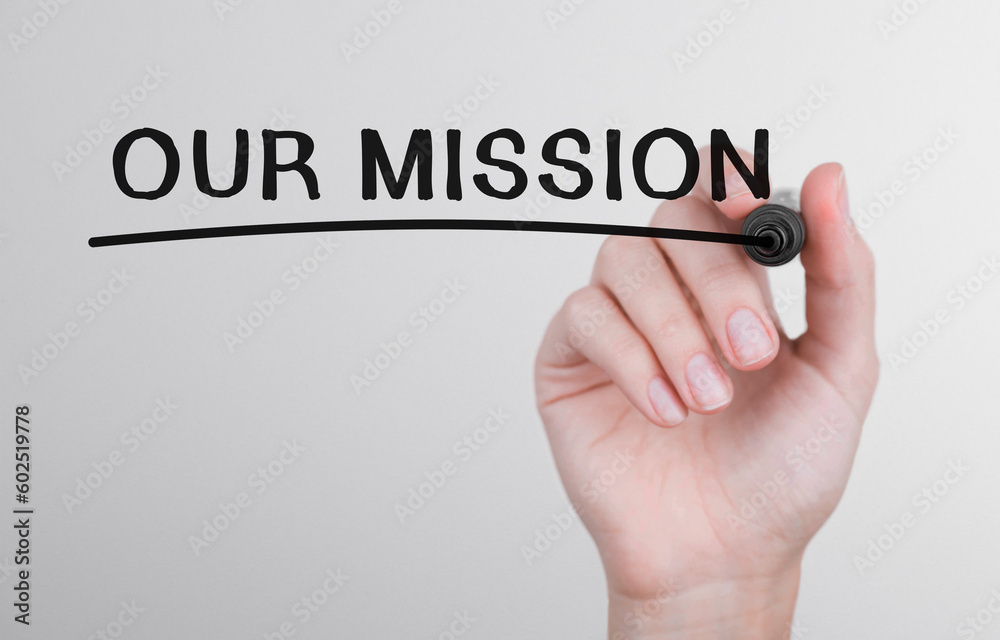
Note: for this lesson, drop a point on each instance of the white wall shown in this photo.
(885, 100)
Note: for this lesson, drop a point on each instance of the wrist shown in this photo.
(752, 608)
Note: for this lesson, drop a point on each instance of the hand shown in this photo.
(703, 447)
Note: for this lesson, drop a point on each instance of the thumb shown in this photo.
(840, 289)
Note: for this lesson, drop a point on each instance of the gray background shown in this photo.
(886, 97)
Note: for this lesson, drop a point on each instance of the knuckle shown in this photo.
(607, 249)
(583, 301)
(622, 348)
(617, 253)
(722, 275)
(675, 323)
(666, 213)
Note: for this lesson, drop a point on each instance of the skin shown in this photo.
(702, 521)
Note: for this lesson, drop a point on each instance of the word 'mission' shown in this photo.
(498, 150)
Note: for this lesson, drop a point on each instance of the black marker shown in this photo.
(780, 221)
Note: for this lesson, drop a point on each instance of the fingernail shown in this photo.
(667, 405)
(735, 186)
(705, 382)
(845, 205)
(748, 337)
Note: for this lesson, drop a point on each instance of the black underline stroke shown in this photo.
(332, 226)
